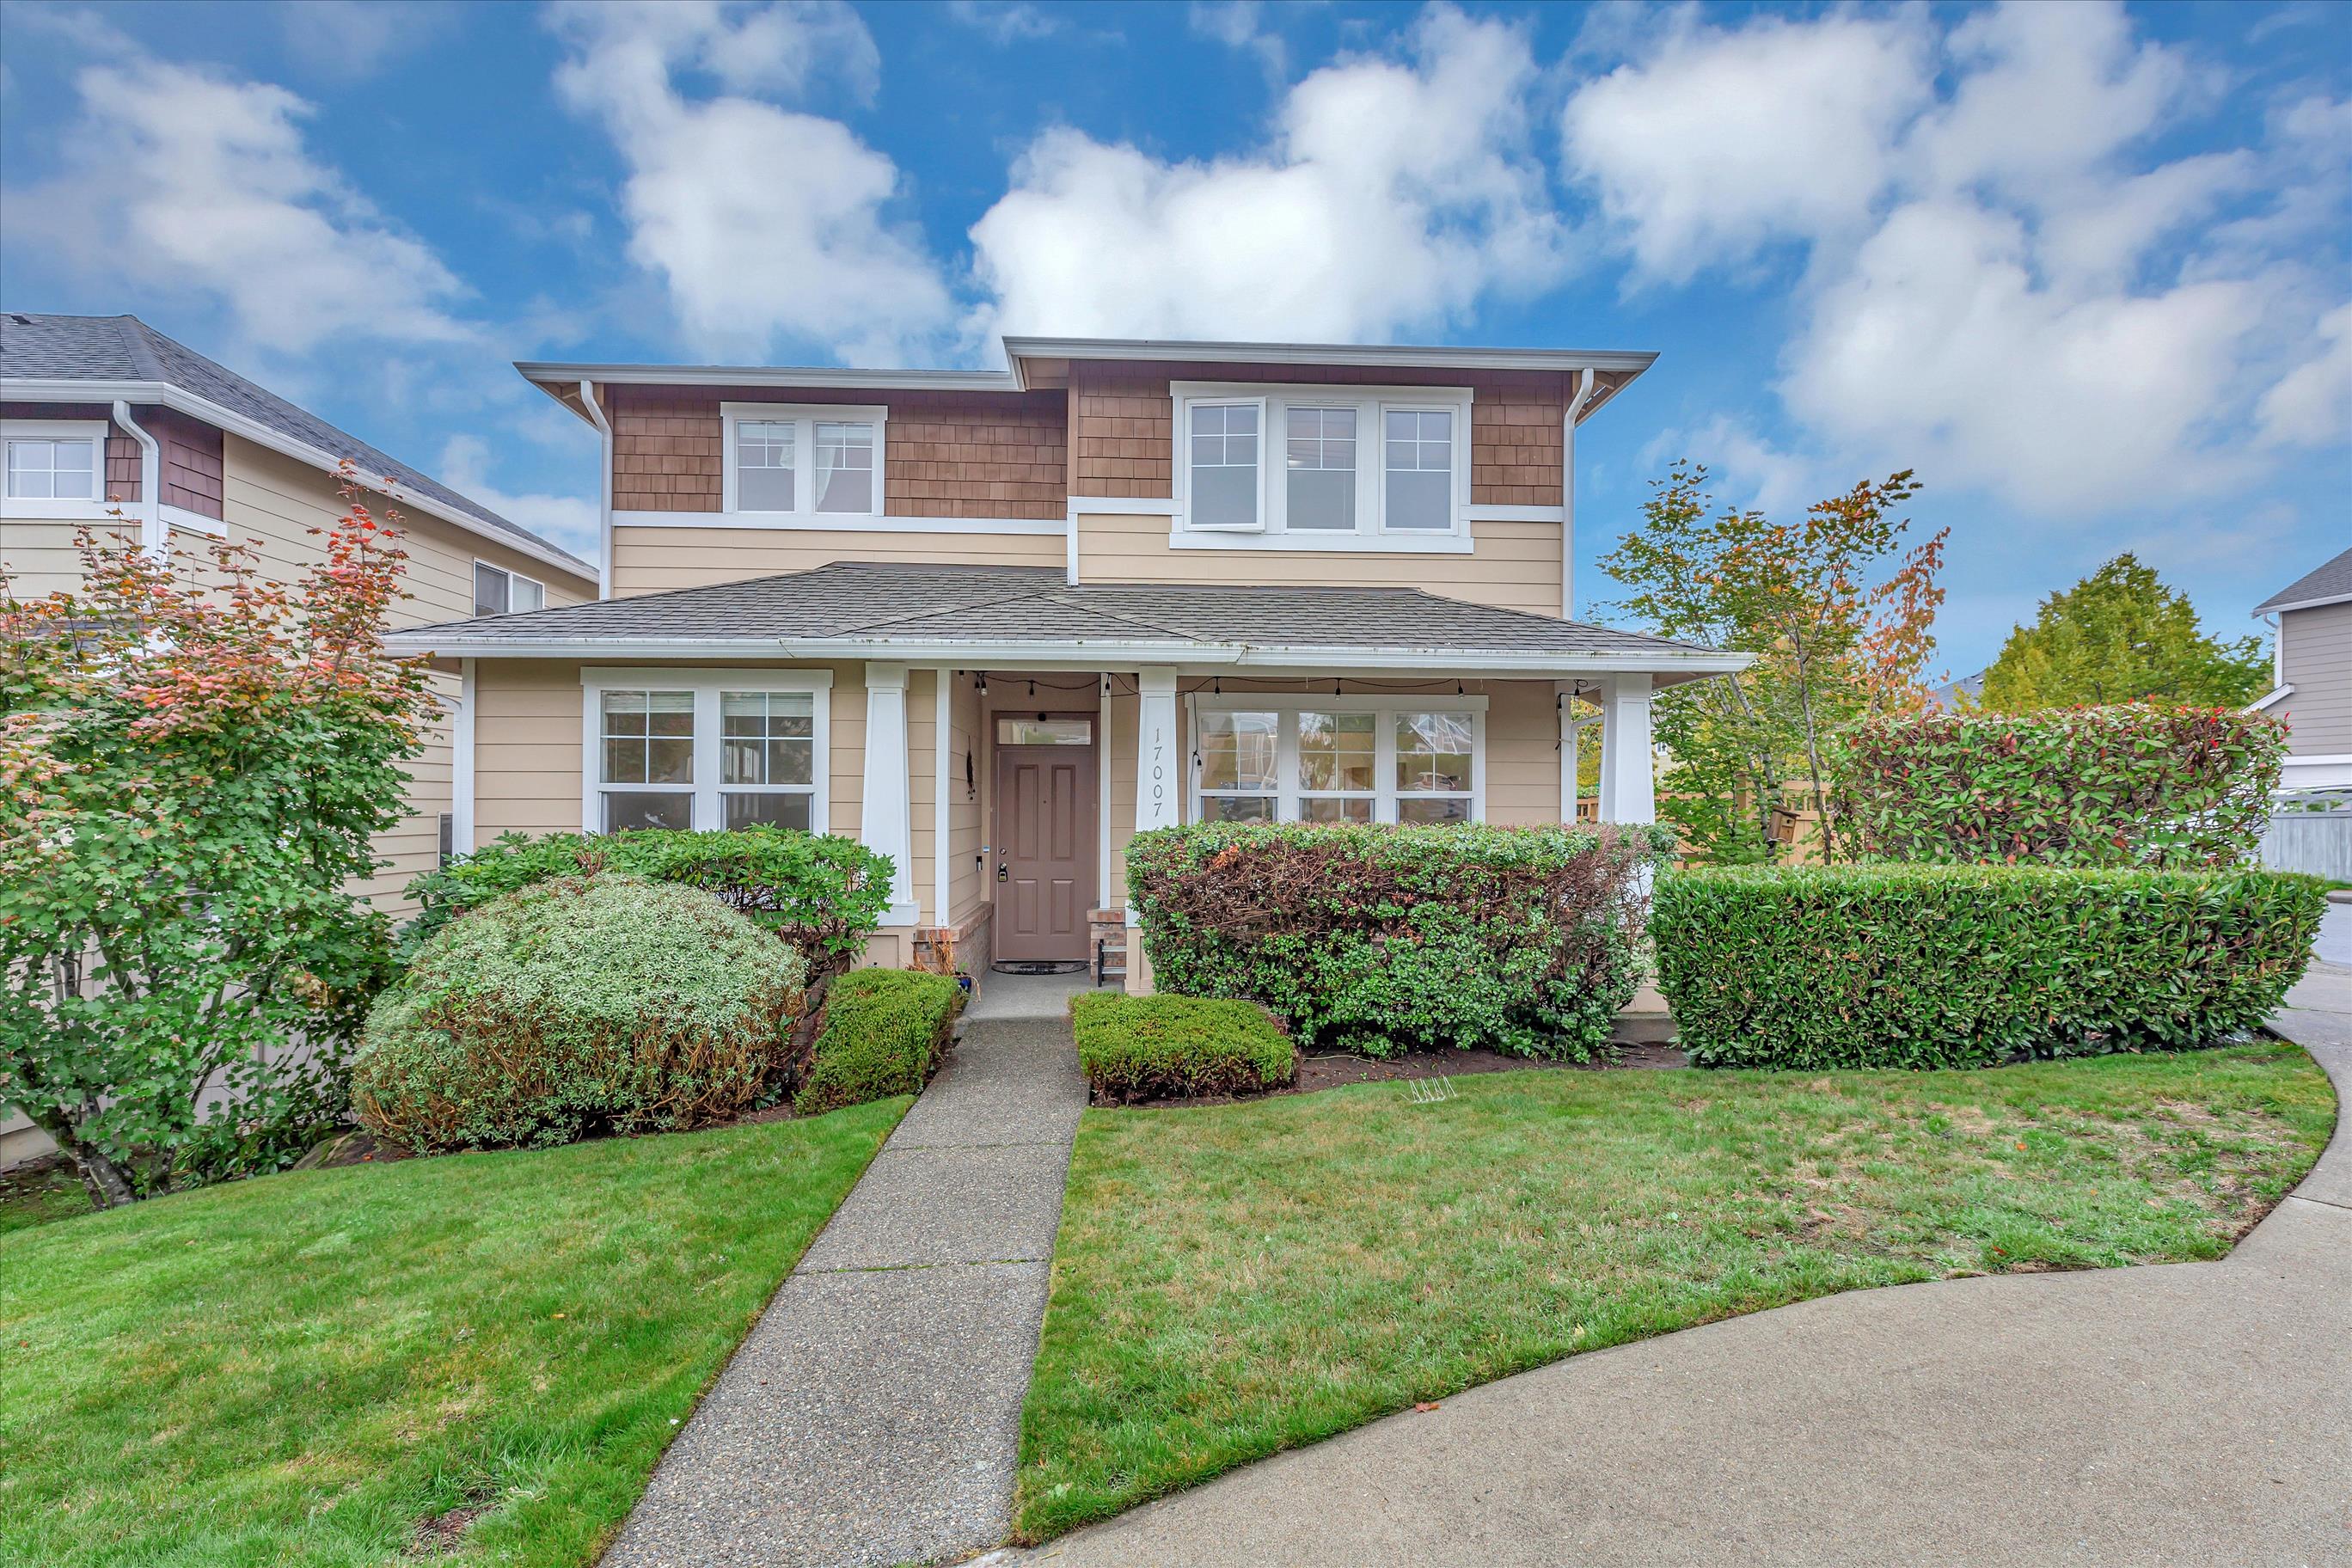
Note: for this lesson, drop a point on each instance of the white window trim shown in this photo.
(804, 417)
(1385, 705)
(706, 685)
(96, 510)
(1372, 406)
(512, 577)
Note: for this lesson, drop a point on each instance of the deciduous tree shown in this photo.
(2121, 635)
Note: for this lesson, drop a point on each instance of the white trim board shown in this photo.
(841, 522)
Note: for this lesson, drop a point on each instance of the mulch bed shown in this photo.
(1333, 1071)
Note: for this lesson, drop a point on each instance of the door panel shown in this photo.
(1044, 851)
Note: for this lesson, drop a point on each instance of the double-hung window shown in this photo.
(787, 462)
(498, 591)
(1339, 759)
(54, 467)
(1324, 468)
(704, 749)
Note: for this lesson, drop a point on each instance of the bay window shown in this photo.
(789, 460)
(1359, 468)
(704, 749)
(1339, 759)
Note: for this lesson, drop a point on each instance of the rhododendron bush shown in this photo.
(192, 760)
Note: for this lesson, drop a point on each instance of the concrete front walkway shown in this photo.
(873, 1414)
(2188, 1414)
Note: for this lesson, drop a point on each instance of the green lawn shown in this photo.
(1238, 1280)
(300, 1370)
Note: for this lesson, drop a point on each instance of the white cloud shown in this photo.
(1006, 23)
(180, 183)
(1241, 24)
(359, 38)
(1393, 196)
(2311, 405)
(2002, 287)
(1722, 141)
(570, 520)
(763, 223)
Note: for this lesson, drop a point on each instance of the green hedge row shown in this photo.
(885, 1032)
(1381, 940)
(819, 892)
(1938, 966)
(1151, 1047)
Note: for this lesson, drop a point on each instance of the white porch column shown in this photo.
(1627, 792)
(942, 741)
(1158, 774)
(1563, 695)
(886, 819)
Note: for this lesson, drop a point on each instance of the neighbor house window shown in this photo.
(1339, 759)
(1364, 467)
(787, 460)
(498, 591)
(53, 461)
(705, 748)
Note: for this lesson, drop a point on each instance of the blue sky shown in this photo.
(2083, 267)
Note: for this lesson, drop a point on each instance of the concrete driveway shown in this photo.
(2188, 1414)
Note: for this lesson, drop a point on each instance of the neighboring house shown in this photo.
(2311, 663)
(1953, 696)
(102, 416)
(994, 623)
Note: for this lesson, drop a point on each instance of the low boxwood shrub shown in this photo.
(1940, 966)
(1381, 940)
(821, 893)
(1151, 1047)
(2137, 784)
(578, 1005)
(885, 1032)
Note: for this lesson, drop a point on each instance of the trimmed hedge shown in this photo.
(1941, 966)
(885, 1032)
(1151, 1047)
(2136, 785)
(821, 893)
(578, 1005)
(1381, 940)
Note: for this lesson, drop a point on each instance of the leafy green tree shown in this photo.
(192, 765)
(2121, 635)
(1832, 647)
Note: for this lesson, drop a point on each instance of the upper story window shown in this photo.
(790, 459)
(54, 461)
(1339, 759)
(1322, 467)
(498, 591)
(704, 749)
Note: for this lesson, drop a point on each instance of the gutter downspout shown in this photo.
(1568, 493)
(604, 489)
(154, 534)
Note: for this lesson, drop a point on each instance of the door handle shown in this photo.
(1001, 874)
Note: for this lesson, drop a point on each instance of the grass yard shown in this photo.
(1237, 1280)
(306, 1369)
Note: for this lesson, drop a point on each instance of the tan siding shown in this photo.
(1514, 565)
(40, 558)
(2315, 658)
(655, 560)
(944, 454)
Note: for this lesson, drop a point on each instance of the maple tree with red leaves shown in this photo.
(194, 760)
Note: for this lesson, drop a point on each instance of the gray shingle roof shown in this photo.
(2329, 580)
(125, 348)
(937, 604)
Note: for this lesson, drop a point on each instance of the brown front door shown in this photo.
(1044, 851)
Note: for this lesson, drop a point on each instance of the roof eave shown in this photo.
(2281, 606)
(1159, 350)
(30, 389)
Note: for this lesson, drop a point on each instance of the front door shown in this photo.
(1044, 851)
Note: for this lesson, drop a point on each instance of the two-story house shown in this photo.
(2311, 663)
(996, 623)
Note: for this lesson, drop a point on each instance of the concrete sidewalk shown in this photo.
(2188, 1414)
(874, 1413)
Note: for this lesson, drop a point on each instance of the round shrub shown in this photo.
(885, 1032)
(578, 1005)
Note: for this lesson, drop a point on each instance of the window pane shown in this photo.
(669, 761)
(776, 810)
(1224, 471)
(1420, 458)
(73, 466)
(766, 737)
(1044, 732)
(528, 595)
(1424, 809)
(1433, 752)
(844, 467)
(1336, 808)
(1322, 498)
(1225, 496)
(763, 489)
(763, 465)
(670, 712)
(624, 810)
(1237, 808)
(1421, 501)
(28, 471)
(1237, 750)
(624, 761)
(491, 590)
(1335, 750)
(792, 762)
